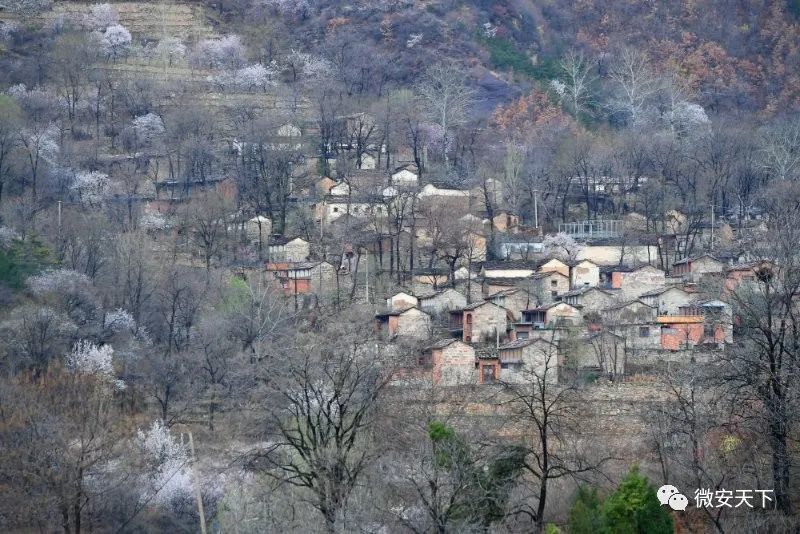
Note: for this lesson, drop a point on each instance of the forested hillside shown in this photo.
(399, 266)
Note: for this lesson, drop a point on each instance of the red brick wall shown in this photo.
(676, 337)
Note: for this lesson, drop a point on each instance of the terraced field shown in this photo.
(148, 20)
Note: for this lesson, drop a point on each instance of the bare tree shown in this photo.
(635, 85)
(327, 397)
(781, 149)
(443, 91)
(577, 83)
(547, 411)
(762, 371)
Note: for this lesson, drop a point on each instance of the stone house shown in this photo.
(451, 363)
(401, 300)
(423, 280)
(324, 185)
(505, 222)
(552, 315)
(589, 299)
(490, 286)
(636, 322)
(584, 273)
(258, 230)
(693, 268)
(514, 300)
(667, 300)
(480, 322)
(405, 176)
(554, 265)
(523, 359)
(442, 301)
(549, 285)
(332, 207)
(410, 323)
(633, 282)
(508, 269)
(283, 249)
(601, 352)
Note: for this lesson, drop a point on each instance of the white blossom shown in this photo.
(170, 49)
(86, 357)
(148, 128)
(91, 186)
(58, 281)
(169, 477)
(558, 87)
(7, 236)
(245, 79)
(153, 222)
(290, 8)
(116, 41)
(686, 115)
(28, 7)
(561, 246)
(120, 320)
(226, 52)
(307, 65)
(102, 16)
(413, 40)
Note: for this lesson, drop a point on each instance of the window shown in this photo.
(553, 283)
(709, 330)
(504, 365)
(554, 294)
(335, 210)
(644, 331)
(523, 335)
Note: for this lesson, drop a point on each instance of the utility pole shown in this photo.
(366, 272)
(711, 246)
(59, 218)
(198, 493)
(536, 208)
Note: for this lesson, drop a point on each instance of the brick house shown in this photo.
(480, 322)
(701, 323)
(514, 300)
(488, 367)
(746, 273)
(584, 273)
(301, 278)
(522, 359)
(451, 363)
(410, 323)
